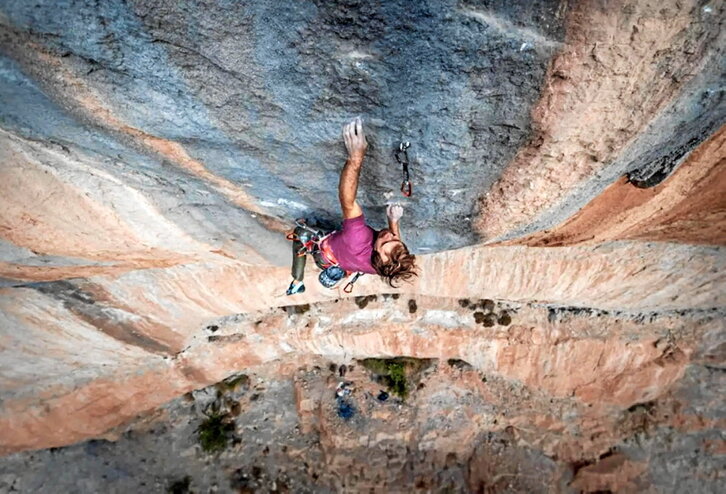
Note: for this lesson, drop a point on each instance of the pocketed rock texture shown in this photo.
(558, 400)
(565, 332)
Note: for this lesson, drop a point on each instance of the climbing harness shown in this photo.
(402, 158)
(309, 238)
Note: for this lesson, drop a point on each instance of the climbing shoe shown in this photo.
(295, 287)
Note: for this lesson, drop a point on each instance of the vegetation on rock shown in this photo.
(398, 374)
(214, 432)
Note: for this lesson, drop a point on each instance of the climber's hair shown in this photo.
(400, 267)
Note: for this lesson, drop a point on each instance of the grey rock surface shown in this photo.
(258, 92)
(198, 128)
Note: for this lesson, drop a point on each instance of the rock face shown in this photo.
(153, 152)
(533, 405)
(249, 99)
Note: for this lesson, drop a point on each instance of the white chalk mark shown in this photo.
(283, 202)
(357, 55)
(291, 204)
(509, 29)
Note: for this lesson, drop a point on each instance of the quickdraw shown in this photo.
(402, 158)
(349, 286)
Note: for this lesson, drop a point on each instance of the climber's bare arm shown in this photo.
(393, 226)
(394, 213)
(348, 188)
(355, 143)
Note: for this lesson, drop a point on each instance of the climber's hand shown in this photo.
(355, 140)
(394, 212)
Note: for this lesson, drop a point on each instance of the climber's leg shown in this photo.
(298, 261)
(319, 259)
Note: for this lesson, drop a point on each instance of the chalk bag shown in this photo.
(330, 277)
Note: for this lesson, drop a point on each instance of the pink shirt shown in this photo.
(352, 246)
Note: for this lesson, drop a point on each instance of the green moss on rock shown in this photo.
(399, 374)
(214, 432)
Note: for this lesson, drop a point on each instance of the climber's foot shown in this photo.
(295, 287)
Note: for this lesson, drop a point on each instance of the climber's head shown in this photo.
(391, 258)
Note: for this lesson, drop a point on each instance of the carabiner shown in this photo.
(406, 188)
(348, 288)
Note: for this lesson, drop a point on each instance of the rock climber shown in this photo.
(356, 247)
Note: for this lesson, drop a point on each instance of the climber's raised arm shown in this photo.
(355, 143)
(356, 247)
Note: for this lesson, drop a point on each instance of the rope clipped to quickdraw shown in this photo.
(349, 287)
(402, 158)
